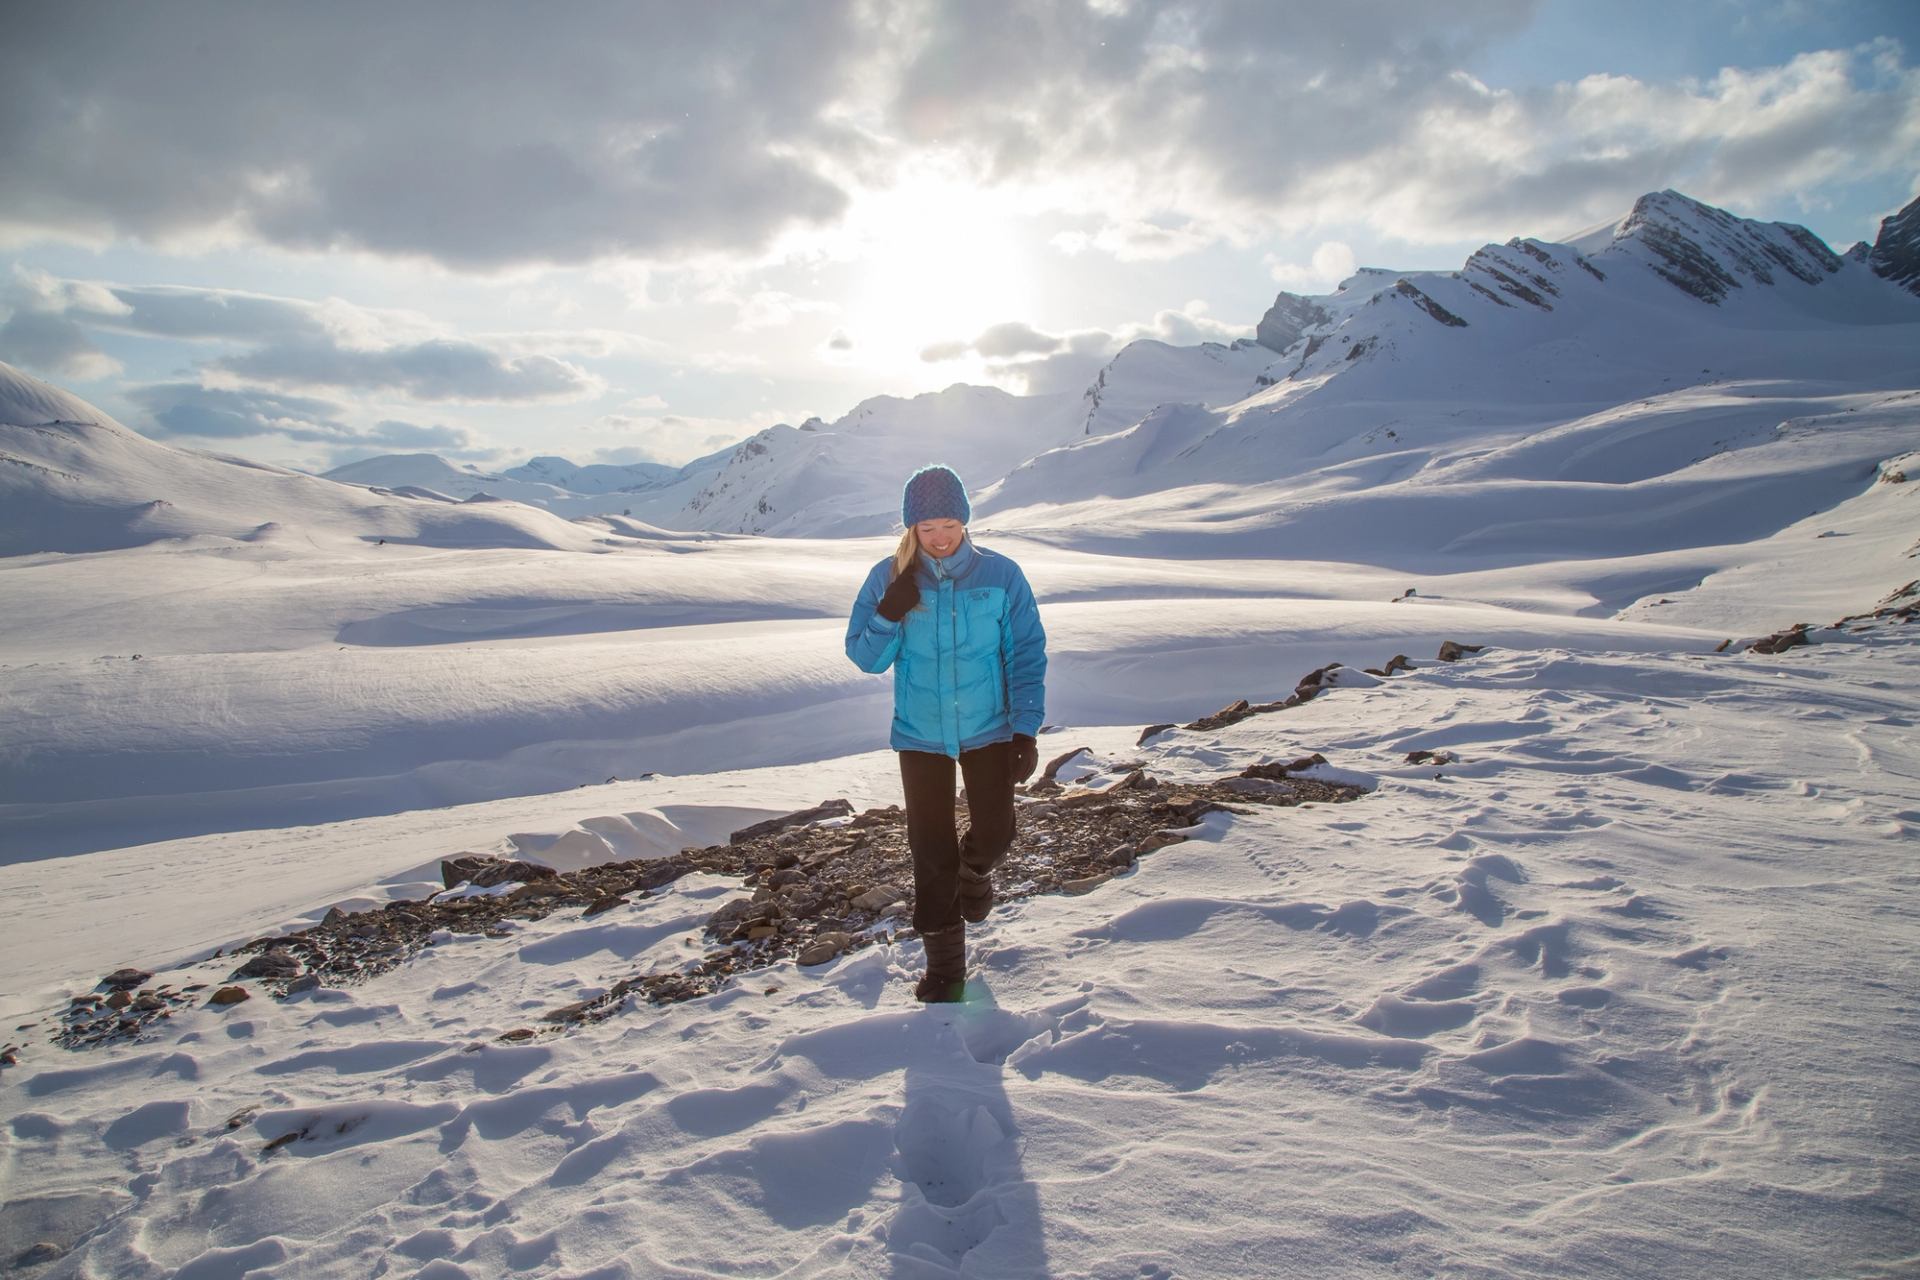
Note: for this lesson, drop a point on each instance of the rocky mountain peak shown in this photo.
(1895, 254)
(1708, 252)
(1287, 320)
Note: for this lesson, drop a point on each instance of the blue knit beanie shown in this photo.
(934, 493)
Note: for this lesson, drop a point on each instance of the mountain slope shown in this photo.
(1638, 376)
(74, 480)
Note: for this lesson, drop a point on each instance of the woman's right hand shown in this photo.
(902, 594)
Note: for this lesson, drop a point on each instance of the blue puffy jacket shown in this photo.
(969, 662)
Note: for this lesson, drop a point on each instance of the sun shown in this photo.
(936, 261)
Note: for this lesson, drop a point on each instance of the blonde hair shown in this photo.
(906, 553)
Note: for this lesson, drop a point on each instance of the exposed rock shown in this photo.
(1288, 320)
(305, 982)
(43, 1251)
(1895, 255)
(1085, 884)
(1277, 771)
(825, 948)
(1150, 731)
(1781, 641)
(518, 1035)
(1407, 290)
(878, 897)
(126, 978)
(499, 871)
(831, 809)
(119, 1000)
(1230, 714)
(230, 995)
(269, 964)
(1054, 765)
(1452, 651)
(600, 905)
(1160, 840)
(1431, 757)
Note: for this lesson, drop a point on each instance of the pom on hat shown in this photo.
(934, 493)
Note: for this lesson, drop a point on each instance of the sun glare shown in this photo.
(937, 262)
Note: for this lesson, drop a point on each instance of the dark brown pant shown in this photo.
(938, 851)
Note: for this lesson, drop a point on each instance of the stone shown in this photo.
(1121, 855)
(462, 869)
(599, 905)
(42, 1251)
(789, 876)
(1275, 772)
(1781, 641)
(336, 916)
(1160, 840)
(1060, 761)
(831, 809)
(1150, 731)
(761, 932)
(230, 995)
(730, 913)
(270, 964)
(1085, 884)
(517, 1035)
(824, 948)
(1431, 757)
(1452, 651)
(147, 1002)
(128, 978)
(119, 1000)
(879, 897)
(570, 1012)
(305, 982)
(507, 871)
(1230, 714)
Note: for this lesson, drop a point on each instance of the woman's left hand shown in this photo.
(1026, 757)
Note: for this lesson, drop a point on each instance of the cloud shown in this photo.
(300, 345)
(1331, 263)
(440, 369)
(773, 309)
(187, 409)
(663, 132)
(216, 413)
(839, 341)
(478, 138)
(1013, 338)
(53, 345)
(1041, 363)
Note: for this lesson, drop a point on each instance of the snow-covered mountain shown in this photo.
(595, 477)
(1612, 370)
(843, 478)
(73, 480)
(639, 490)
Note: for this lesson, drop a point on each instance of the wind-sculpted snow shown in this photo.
(1657, 995)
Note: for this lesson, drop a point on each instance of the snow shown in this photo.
(1623, 988)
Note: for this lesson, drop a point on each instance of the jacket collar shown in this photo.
(957, 565)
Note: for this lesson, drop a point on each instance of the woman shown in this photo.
(960, 629)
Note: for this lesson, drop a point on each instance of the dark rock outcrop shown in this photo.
(1895, 254)
(1288, 320)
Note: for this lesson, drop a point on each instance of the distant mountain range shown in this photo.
(1393, 384)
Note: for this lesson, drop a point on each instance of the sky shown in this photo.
(622, 232)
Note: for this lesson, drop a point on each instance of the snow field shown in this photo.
(1566, 1005)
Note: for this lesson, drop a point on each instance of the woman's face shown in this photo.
(939, 538)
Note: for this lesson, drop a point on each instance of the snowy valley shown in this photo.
(1607, 972)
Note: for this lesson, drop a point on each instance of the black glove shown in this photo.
(1026, 756)
(902, 594)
